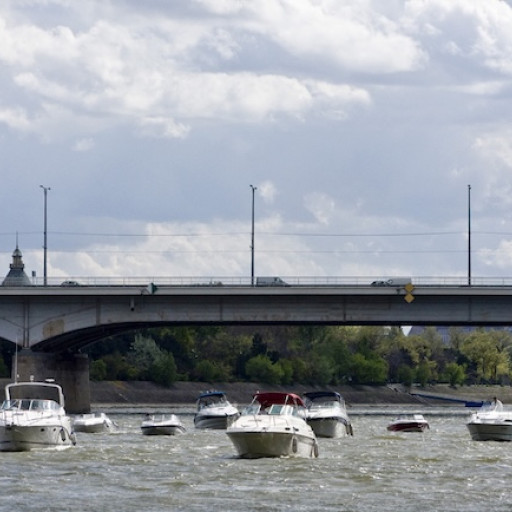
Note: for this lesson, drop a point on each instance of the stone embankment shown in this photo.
(135, 392)
(241, 392)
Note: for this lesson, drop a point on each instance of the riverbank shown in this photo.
(137, 392)
(131, 392)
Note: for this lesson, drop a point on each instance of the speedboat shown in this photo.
(93, 423)
(162, 425)
(32, 417)
(409, 423)
(326, 414)
(491, 423)
(213, 410)
(273, 425)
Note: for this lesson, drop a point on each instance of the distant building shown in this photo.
(16, 275)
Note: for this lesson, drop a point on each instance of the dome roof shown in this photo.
(16, 275)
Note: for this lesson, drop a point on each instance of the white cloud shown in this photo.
(268, 191)
(83, 145)
(362, 117)
(321, 206)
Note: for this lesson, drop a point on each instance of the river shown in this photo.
(441, 469)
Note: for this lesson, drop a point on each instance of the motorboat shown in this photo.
(409, 423)
(162, 425)
(214, 411)
(326, 414)
(491, 423)
(273, 425)
(93, 423)
(33, 417)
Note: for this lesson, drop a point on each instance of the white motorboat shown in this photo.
(409, 423)
(273, 425)
(214, 411)
(491, 423)
(93, 423)
(327, 415)
(33, 417)
(162, 425)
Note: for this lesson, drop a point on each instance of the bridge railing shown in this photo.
(284, 280)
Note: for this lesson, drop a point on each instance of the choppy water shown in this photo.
(441, 470)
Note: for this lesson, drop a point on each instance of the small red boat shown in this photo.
(409, 423)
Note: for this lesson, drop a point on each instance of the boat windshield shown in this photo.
(282, 409)
(30, 405)
(252, 409)
(323, 405)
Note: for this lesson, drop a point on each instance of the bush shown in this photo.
(261, 369)
(98, 370)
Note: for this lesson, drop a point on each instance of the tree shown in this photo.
(211, 371)
(491, 359)
(261, 369)
(455, 374)
(369, 371)
(164, 370)
(98, 370)
(143, 356)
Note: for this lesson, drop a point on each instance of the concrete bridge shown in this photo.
(51, 323)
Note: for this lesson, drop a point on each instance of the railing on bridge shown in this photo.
(286, 280)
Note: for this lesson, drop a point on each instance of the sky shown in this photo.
(360, 123)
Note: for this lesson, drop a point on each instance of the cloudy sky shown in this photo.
(360, 122)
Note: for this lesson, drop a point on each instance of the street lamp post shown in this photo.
(252, 236)
(45, 234)
(469, 235)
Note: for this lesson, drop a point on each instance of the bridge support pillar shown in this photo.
(71, 371)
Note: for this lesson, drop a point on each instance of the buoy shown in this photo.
(294, 445)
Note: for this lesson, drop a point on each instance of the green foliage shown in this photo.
(210, 371)
(321, 370)
(489, 354)
(423, 374)
(316, 355)
(163, 370)
(144, 354)
(261, 369)
(455, 374)
(405, 375)
(372, 370)
(98, 370)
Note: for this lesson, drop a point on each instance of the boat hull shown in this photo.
(408, 427)
(490, 431)
(258, 444)
(213, 421)
(92, 424)
(329, 427)
(162, 430)
(35, 437)
(162, 426)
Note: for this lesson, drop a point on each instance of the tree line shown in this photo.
(314, 355)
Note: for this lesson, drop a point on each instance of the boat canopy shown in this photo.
(35, 390)
(277, 397)
(211, 394)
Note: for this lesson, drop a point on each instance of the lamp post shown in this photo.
(45, 245)
(469, 235)
(252, 236)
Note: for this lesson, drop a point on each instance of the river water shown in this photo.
(441, 469)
